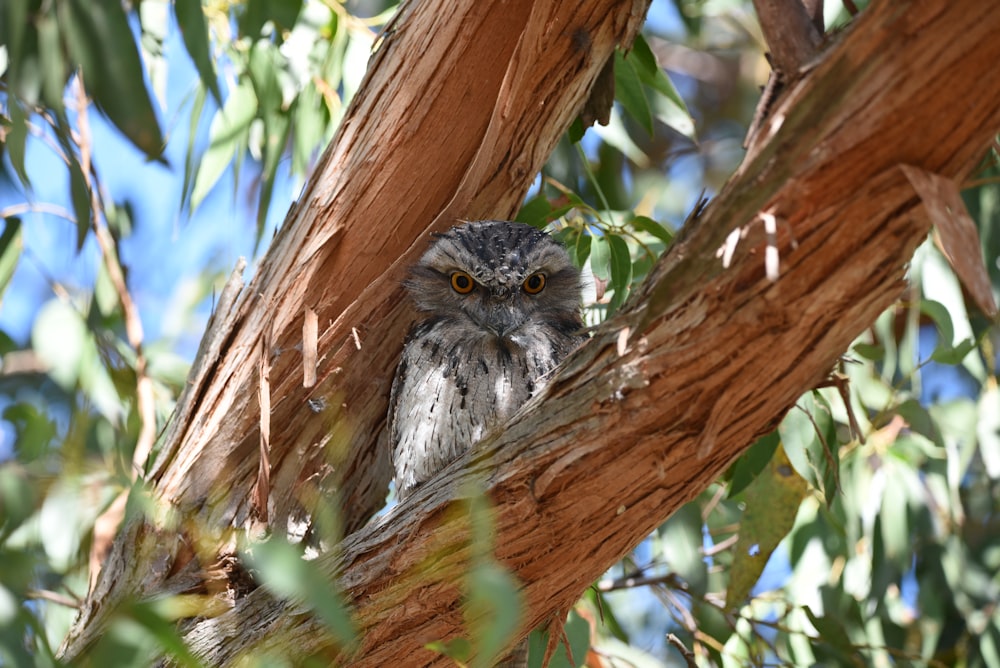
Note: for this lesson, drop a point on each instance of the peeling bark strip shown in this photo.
(712, 357)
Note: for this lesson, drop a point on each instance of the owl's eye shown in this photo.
(533, 284)
(462, 283)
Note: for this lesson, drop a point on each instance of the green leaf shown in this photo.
(53, 64)
(600, 257)
(493, 609)
(194, 31)
(227, 132)
(809, 437)
(946, 354)
(650, 226)
(58, 339)
(652, 74)
(264, 67)
(576, 131)
(459, 649)
(311, 119)
(105, 294)
(643, 57)
(581, 248)
(276, 135)
(988, 430)
(34, 431)
(288, 575)
(621, 270)
(679, 544)
(282, 13)
(11, 245)
(99, 38)
(80, 195)
(163, 630)
(493, 600)
(63, 523)
(18, 493)
(535, 211)
(629, 92)
(190, 159)
(14, 30)
(772, 502)
(832, 633)
(871, 351)
(893, 518)
(937, 312)
(17, 138)
(578, 633)
(752, 462)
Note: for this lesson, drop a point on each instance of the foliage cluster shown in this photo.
(862, 531)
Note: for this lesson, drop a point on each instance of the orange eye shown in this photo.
(534, 284)
(462, 283)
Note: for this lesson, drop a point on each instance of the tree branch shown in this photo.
(790, 31)
(462, 104)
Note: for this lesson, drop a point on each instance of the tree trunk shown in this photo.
(462, 103)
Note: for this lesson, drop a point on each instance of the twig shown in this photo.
(685, 652)
(53, 597)
(133, 324)
(790, 33)
(669, 579)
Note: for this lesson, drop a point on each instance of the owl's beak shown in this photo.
(504, 319)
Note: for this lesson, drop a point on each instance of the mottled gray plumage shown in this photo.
(500, 307)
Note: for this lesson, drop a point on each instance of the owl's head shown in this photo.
(498, 277)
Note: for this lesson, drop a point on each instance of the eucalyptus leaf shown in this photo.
(621, 270)
(59, 338)
(650, 226)
(80, 196)
(652, 74)
(492, 608)
(752, 462)
(988, 431)
(288, 575)
(600, 257)
(11, 245)
(629, 92)
(194, 31)
(226, 134)
(100, 40)
(535, 212)
(772, 501)
(15, 142)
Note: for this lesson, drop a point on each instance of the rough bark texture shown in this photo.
(704, 358)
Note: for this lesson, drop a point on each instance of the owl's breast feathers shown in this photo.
(451, 389)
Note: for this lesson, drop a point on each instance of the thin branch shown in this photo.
(37, 207)
(790, 33)
(53, 597)
(671, 580)
(145, 405)
(688, 655)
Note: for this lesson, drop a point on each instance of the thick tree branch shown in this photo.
(462, 104)
(707, 355)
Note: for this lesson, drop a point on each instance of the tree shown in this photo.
(324, 306)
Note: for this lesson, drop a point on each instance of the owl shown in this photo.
(500, 308)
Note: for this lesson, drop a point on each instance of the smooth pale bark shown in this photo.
(706, 356)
